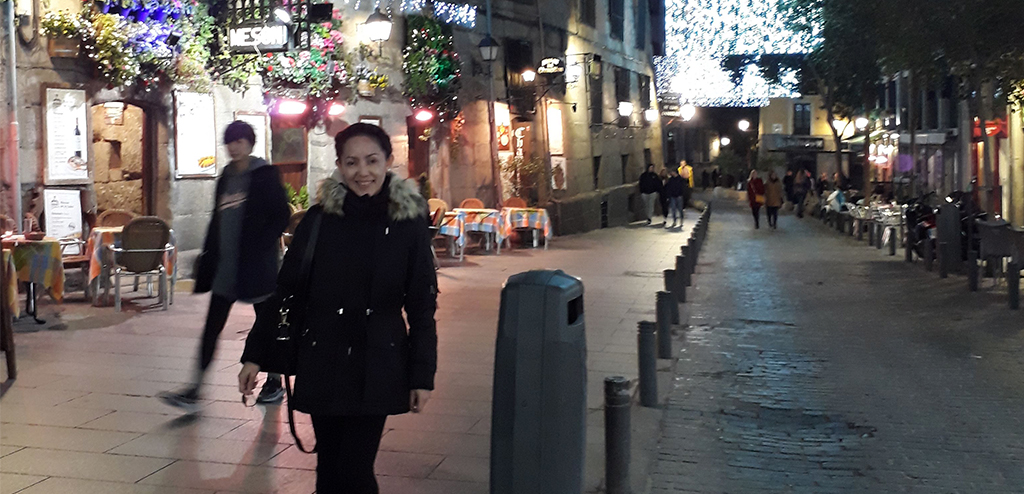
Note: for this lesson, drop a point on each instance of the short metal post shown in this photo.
(943, 262)
(683, 269)
(871, 233)
(671, 287)
(1013, 284)
(929, 254)
(859, 225)
(908, 246)
(972, 270)
(616, 435)
(892, 241)
(850, 221)
(646, 353)
(878, 235)
(694, 253)
(663, 314)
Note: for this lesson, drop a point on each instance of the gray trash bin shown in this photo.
(538, 419)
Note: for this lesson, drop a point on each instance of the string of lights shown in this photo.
(449, 13)
(699, 33)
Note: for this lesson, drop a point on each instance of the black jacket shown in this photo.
(372, 259)
(650, 183)
(265, 218)
(675, 186)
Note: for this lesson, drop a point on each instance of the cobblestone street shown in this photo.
(814, 363)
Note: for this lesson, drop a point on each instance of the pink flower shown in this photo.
(289, 62)
(304, 55)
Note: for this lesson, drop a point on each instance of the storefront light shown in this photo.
(291, 107)
(651, 114)
(861, 123)
(725, 140)
(688, 111)
(625, 108)
(424, 115)
(529, 75)
(378, 26)
(335, 109)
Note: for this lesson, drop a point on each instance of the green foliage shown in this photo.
(525, 176)
(771, 161)
(729, 163)
(433, 72)
(298, 199)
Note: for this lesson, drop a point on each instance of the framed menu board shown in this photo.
(63, 209)
(195, 136)
(66, 129)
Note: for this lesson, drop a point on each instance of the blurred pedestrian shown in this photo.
(239, 260)
(674, 190)
(801, 186)
(755, 196)
(716, 178)
(773, 198)
(662, 198)
(705, 180)
(650, 185)
(787, 185)
(357, 362)
(821, 185)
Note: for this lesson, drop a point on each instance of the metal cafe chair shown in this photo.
(144, 242)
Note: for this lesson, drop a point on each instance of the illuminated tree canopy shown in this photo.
(701, 33)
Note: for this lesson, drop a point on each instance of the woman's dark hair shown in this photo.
(362, 129)
(239, 130)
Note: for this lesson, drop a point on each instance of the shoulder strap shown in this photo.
(307, 257)
(291, 416)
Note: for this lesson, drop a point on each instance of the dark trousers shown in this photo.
(216, 318)
(756, 210)
(346, 448)
(773, 216)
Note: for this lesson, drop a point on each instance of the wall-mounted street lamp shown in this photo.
(861, 123)
(489, 49)
(725, 140)
(651, 114)
(687, 111)
(743, 125)
(529, 75)
(625, 108)
(282, 15)
(423, 115)
(378, 28)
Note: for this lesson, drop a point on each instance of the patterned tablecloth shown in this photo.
(10, 284)
(459, 221)
(100, 254)
(534, 219)
(39, 262)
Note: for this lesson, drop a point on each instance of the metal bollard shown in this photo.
(892, 241)
(943, 262)
(972, 270)
(683, 270)
(929, 254)
(850, 221)
(1013, 284)
(908, 247)
(646, 353)
(663, 315)
(616, 434)
(871, 233)
(670, 286)
(694, 252)
(859, 225)
(878, 235)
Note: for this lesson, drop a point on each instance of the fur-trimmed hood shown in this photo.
(404, 199)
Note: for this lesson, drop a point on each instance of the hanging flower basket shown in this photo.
(64, 47)
(365, 89)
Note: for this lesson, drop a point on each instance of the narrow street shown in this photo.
(817, 364)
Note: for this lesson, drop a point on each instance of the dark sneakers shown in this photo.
(187, 399)
(272, 392)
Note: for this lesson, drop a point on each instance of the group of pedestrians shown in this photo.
(357, 259)
(672, 189)
(793, 188)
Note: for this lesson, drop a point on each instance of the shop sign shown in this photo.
(551, 65)
(993, 128)
(504, 138)
(806, 143)
(258, 38)
(521, 140)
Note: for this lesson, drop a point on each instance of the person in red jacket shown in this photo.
(755, 196)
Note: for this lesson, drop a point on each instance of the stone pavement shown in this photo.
(82, 417)
(815, 364)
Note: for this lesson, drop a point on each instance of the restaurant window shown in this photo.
(640, 23)
(645, 91)
(588, 12)
(621, 85)
(616, 18)
(802, 119)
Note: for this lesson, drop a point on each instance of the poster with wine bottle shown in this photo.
(67, 136)
(195, 135)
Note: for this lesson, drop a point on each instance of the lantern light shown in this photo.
(488, 49)
(651, 114)
(743, 125)
(423, 115)
(291, 107)
(861, 123)
(282, 15)
(688, 111)
(529, 75)
(335, 109)
(378, 26)
(625, 108)
(725, 140)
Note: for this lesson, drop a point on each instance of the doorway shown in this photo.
(123, 176)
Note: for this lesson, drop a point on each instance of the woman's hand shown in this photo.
(418, 399)
(247, 378)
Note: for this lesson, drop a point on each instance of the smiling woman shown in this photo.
(356, 361)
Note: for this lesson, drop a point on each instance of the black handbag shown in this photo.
(291, 326)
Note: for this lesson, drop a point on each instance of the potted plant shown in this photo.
(175, 9)
(160, 13)
(64, 30)
(143, 10)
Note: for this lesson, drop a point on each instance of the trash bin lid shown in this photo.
(544, 277)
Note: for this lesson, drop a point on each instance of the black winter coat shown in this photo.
(650, 183)
(265, 218)
(372, 259)
(675, 186)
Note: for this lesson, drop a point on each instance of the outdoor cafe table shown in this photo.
(458, 222)
(528, 218)
(37, 262)
(100, 261)
(10, 284)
